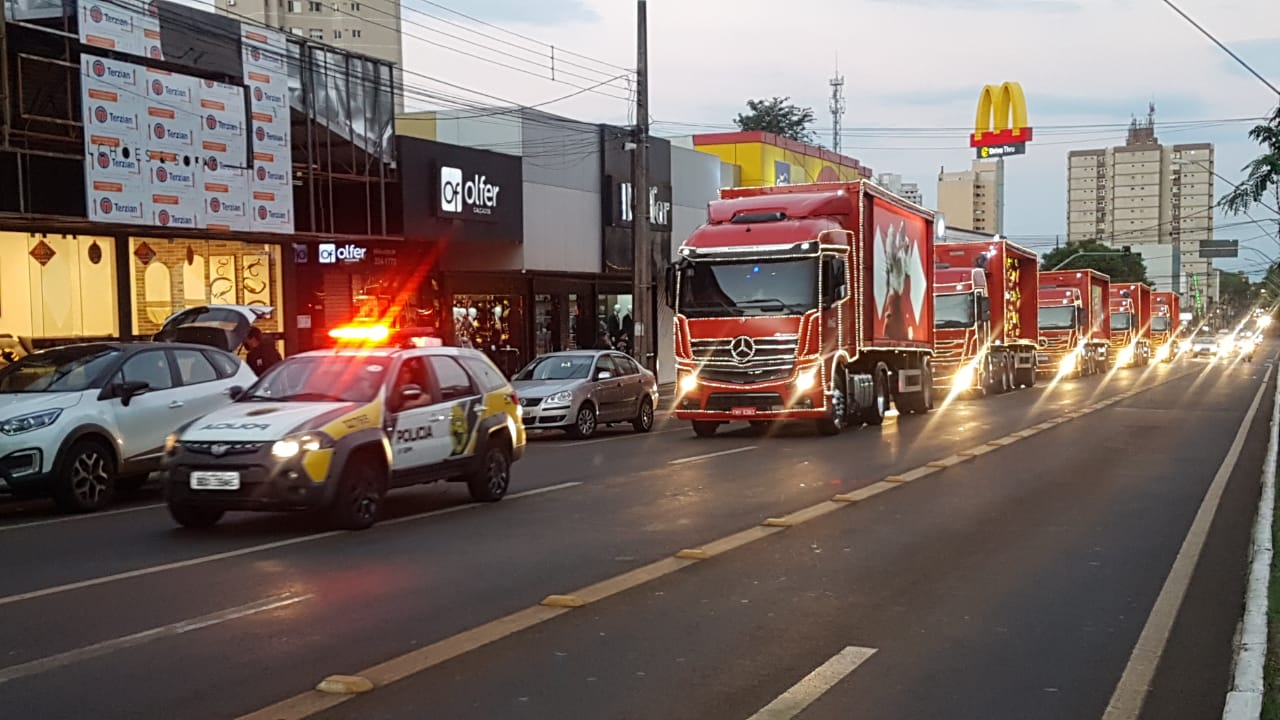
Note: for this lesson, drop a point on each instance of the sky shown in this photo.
(913, 70)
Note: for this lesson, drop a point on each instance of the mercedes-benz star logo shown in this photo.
(220, 449)
(742, 348)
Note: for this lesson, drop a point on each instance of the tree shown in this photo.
(1235, 291)
(1264, 171)
(779, 116)
(1121, 267)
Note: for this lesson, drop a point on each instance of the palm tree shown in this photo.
(1264, 171)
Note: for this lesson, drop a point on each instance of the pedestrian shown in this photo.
(261, 354)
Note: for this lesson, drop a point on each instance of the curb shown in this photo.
(1244, 700)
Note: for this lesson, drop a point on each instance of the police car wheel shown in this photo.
(493, 477)
(193, 516)
(359, 498)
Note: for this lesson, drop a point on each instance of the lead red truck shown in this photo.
(804, 302)
(985, 314)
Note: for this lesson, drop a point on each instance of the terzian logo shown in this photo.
(100, 114)
(163, 217)
(104, 160)
(105, 206)
(99, 68)
(262, 212)
(162, 175)
(211, 122)
(157, 87)
(477, 193)
(95, 14)
(215, 205)
(330, 253)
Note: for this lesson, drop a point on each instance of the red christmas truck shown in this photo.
(804, 302)
(1075, 326)
(985, 316)
(1130, 325)
(1165, 312)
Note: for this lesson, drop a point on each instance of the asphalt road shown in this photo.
(1012, 585)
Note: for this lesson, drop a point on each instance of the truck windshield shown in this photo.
(765, 287)
(1058, 317)
(1122, 321)
(953, 310)
(1160, 323)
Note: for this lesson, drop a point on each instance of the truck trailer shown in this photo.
(1165, 312)
(1075, 326)
(804, 302)
(1130, 325)
(985, 316)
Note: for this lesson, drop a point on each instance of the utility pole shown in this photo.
(644, 299)
(837, 107)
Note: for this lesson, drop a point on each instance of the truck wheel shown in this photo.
(1010, 378)
(705, 428)
(85, 479)
(874, 415)
(490, 481)
(194, 516)
(358, 500)
(838, 408)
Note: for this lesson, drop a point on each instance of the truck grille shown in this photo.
(1118, 341)
(1054, 343)
(945, 350)
(774, 359)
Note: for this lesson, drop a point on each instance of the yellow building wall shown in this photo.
(764, 164)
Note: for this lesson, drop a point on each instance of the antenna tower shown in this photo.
(837, 106)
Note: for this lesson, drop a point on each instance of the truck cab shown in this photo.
(1073, 322)
(1130, 307)
(962, 324)
(1165, 345)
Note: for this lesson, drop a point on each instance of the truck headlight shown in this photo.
(1125, 356)
(27, 423)
(963, 379)
(688, 383)
(807, 379)
(295, 445)
(1069, 362)
(564, 397)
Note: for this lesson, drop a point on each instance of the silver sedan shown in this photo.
(580, 390)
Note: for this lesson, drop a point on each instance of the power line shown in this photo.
(1225, 49)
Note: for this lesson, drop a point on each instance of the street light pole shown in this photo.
(643, 297)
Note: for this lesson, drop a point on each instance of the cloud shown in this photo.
(525, 12)
(995, 6)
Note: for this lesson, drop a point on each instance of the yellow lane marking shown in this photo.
(563, 601)
(861, 494)
(344, 685)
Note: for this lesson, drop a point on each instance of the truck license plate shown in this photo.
(203, 480)
(743, 411)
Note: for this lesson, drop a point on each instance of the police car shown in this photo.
(335, 429)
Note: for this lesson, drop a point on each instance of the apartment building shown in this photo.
(974, 198)
(1144, 193)
(369, 27)
(894, 183)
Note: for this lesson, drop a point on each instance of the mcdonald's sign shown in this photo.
(1000, 127)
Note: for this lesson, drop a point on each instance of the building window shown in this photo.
(295, 30)
(295, 6)
(355, 7)
(316, 34)
(314, 7)
(337, 34)
(355, 33)
(56, 286)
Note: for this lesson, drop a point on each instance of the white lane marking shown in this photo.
(801, 695)
(87, 652)
(696, 458)
(1131, 692)
(204, 559)
(632, 436)
(1246, 689)
(90, 516)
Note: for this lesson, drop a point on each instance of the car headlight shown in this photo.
(564, 397)
(27, 423)
(688, 383)
(295, 445)
(807, 379)
(170, 443)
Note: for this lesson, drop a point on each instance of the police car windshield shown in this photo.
(332, 378)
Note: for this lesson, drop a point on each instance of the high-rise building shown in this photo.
(894, 183)
(369, 27)
(973, 198)
(1145, 193)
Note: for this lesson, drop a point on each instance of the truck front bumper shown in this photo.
(719, 404)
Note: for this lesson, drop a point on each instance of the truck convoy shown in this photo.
(804, 302)
(1130, 325)
(1075, 326)
(1165, 311)
(985, 316)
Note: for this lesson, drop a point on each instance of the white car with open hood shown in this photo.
(83, 422)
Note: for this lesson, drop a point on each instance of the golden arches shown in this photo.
(1000, 107)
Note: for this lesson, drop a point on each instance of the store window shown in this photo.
(169, 276)
(616, 327)
(492, 324)
(57, 287)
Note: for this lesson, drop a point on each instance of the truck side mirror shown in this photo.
(984, 308)
(1080, 318)
(669, 287)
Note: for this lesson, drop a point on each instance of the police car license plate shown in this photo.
(744, 411)
(203, 480)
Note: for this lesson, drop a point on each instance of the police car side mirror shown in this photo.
(410, 393)
(234, 392)
(128, 390)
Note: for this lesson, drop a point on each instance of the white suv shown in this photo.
(82, 422)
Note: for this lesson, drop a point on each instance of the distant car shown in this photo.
(1204, 346)
(83, 422)
(579, 390)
